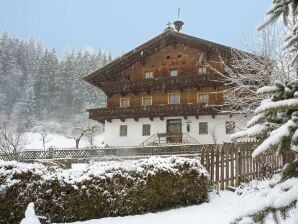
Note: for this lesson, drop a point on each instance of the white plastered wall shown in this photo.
(216, 129)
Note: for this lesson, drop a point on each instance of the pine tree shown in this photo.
(276, 120)
(288, 10)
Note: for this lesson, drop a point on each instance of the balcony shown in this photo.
(162, 84)
(160, 111)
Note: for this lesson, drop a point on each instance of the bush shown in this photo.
(100, 190)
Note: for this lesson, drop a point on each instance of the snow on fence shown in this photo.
(229, 164)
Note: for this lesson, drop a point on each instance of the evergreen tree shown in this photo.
(276, 120)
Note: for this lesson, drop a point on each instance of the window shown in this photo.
(202, 70)
(148, 75)
(188, 127)
(146, 129)
(203, 128)
(230, 127)
(174, 98)
(203, 98)
(124, 102)
(123, 130)
(168, 57)
(147, 101)
(173, 73)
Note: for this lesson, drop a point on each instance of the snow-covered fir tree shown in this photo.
(36, 85)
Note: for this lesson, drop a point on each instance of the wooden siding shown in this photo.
(188, 96)
(173, 57)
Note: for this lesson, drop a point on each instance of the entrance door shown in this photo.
(174, 131)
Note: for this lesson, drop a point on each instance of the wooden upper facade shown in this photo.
(170, 69)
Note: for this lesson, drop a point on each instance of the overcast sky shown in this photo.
(117, 26)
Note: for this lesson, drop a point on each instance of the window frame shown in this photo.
(202, 94)
(207, 130)
(124, 98)
(123, 133)
(202, 70)
(169, 97)
(146, 132)
(234, 127)
(146, 97)
(151, 75)
(173, 70)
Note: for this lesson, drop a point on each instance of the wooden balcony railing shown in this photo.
(161, 84)
(161, 111)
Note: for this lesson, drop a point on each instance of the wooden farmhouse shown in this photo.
(163, 92)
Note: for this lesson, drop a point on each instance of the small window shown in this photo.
(146, 129)
(123, 130)
(127, 77)
(188, 127)
(148, 75)
(174, 98)
(168, 57)
(179, 56)
(203, 98)
(202, 70)
(147, 101)
(173, 73)
(230, 127)
(203, 128)
(124, 102)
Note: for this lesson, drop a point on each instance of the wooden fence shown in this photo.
(228, 164)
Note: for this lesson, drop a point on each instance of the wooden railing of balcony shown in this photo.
(161, 111)
(161, 84)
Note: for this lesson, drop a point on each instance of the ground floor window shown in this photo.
(123, 130)
(230, 127)
(146, 129)
(203, 128)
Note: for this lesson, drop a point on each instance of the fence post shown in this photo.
(237, 165)
(222, 173)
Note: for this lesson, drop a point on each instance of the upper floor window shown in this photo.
(230, 127)
(124, 102)
(148, 75)
(202, 70)
(203, 98)
(123, 130)
(147, 101)
(174, 98)
(203, 128)
(173, 73)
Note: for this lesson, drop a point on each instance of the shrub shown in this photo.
(102, 189)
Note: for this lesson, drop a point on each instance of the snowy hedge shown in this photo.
(102, 189)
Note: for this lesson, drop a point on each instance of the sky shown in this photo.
(118, 26)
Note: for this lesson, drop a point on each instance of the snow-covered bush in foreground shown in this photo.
(102, 189)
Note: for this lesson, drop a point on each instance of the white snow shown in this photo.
(30, 217)
(275, 138)
(223, 208)
(283, 104)
(267, 89)
(58, 141)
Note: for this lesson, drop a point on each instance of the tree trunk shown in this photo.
(77, 143)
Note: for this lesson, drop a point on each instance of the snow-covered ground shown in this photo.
(222, 209)
(33, 141)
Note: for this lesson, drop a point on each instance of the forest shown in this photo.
(36, 85)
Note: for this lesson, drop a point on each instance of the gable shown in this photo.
(141, 56)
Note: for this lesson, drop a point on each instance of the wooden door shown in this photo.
(174, 131)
